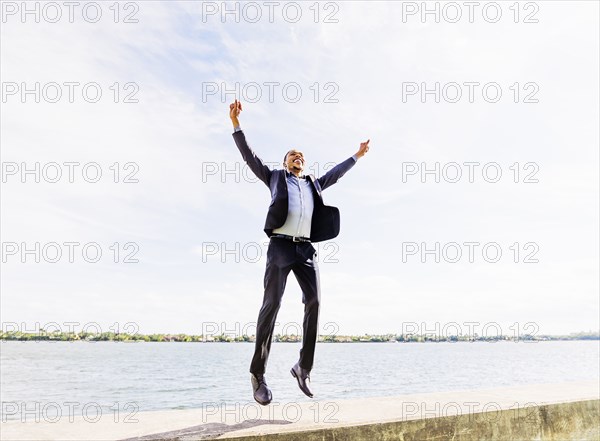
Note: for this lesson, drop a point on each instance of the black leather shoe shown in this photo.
(262, 394)
(301, 375)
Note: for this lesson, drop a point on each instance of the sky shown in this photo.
(483, 128)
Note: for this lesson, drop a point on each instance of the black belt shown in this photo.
(292, 238)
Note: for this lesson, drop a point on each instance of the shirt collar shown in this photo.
(287, 174)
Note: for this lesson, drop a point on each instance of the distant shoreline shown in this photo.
(229, 338)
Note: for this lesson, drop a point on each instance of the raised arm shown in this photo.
(256, 164)
(333, 175)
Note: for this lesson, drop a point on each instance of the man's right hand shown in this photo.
(234, 110)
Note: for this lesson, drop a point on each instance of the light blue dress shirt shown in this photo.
(300, 207)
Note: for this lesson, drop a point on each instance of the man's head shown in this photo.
(293, 161)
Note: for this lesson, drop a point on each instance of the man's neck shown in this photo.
(295, 173)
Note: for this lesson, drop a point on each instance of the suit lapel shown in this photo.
(315, 184)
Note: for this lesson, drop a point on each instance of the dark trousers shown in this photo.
(284, 256)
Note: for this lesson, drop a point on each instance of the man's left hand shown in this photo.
(364, 148)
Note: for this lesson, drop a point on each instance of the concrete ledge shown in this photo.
(576, 421)
(565, 411)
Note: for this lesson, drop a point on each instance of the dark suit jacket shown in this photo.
(325, 222)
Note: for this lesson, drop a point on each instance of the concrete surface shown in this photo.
(565, 411)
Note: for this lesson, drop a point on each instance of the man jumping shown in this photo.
(296, 217)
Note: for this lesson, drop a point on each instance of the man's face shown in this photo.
(294, 160)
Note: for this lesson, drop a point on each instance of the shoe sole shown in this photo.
(263, 403)
(298, 380)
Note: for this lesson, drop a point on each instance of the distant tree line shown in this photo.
(383, 338)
